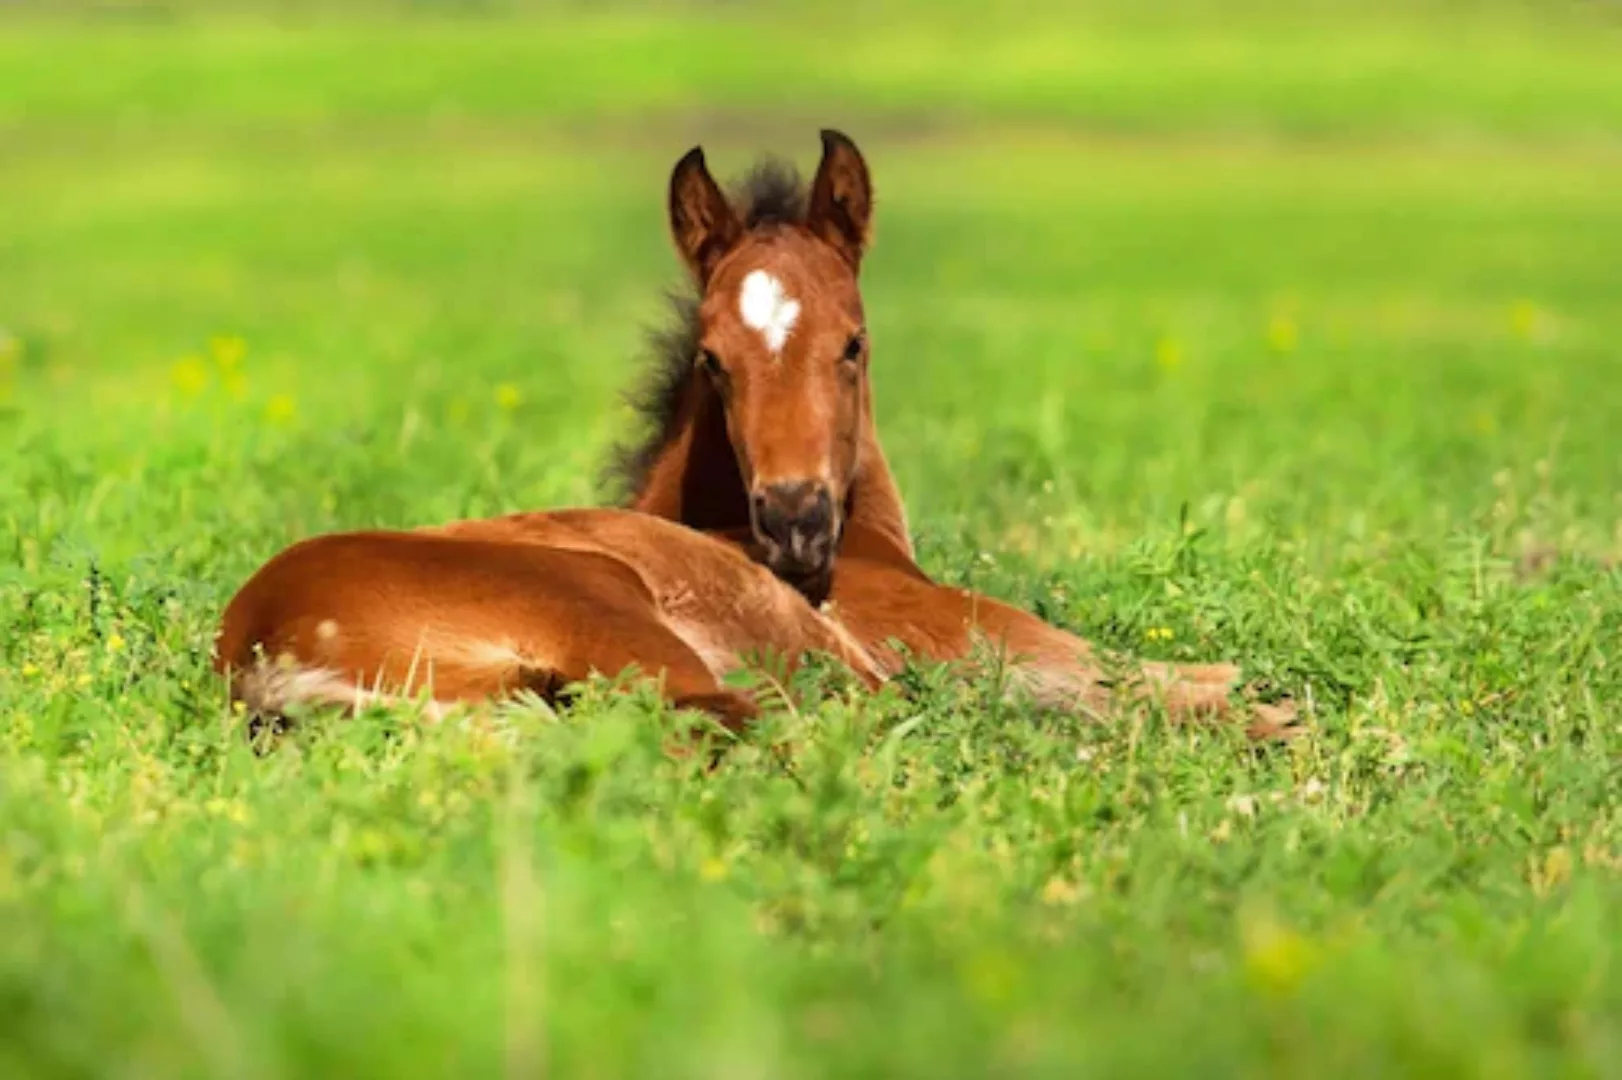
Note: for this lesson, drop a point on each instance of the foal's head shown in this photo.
(782, 339)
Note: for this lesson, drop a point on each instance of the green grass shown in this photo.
(1290, 332)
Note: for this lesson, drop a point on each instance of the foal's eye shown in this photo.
(853, 349)
(709, 363)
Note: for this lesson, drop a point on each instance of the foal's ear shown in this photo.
(841, 210)
(701, 220)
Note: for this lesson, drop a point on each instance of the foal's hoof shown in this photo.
(732, 710)
(1279, 722)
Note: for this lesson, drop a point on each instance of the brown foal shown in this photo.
(764, 518)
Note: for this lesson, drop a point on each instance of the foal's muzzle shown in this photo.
(795, 523)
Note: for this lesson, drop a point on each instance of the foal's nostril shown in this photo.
(818, 514)
(796, 518)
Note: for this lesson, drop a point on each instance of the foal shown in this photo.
(762, 430)
(766, 443)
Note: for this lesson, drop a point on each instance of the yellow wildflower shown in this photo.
(508, 397)
(1169, 354)
(1525, 319)
(1282, 334)
(228, 352)
(189, 376)
(1059, 892)
(1553, 871)
(280, 408)
(1276, 958)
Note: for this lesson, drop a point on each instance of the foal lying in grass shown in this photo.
(763, 517)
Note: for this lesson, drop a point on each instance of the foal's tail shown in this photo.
(270, 693)
(268, 690)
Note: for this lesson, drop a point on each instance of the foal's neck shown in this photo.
(694, 476)
(694, 479)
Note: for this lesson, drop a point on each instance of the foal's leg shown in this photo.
(1060, 669)
(640, 638)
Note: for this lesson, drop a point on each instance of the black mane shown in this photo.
(771, 193)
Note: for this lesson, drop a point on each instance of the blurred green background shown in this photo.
(1099, 225)
(1288, 330)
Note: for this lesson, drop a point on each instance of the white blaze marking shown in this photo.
(764, 307)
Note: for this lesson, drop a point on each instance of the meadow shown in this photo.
(1277, 333)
